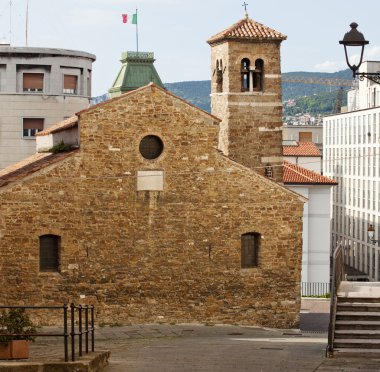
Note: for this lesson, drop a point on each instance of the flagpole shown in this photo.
(10, 22)
(26, 23)
(137, 33)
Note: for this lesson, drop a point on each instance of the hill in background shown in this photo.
(312, 98)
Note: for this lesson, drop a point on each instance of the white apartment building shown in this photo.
(351, 153)
(38, 88)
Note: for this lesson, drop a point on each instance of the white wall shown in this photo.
(68, 136)
(14, 107)
(316, 233)
(313, 163)
(291, 132)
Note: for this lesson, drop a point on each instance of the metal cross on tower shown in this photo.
(245, 7)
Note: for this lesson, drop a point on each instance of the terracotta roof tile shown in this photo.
(62, 125)
(294, 174)
(302, 149)
(247, 29)
(30, 165)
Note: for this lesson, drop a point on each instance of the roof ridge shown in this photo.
(247, 28)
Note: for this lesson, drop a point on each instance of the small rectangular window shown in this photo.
(305, 136)
(31, 126)
(49, 252)
(70, 84)
(33, 82)
(250, 245)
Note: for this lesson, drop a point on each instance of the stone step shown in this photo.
(358, 299)
(357, 324)
(357, 315)
(356, 343)
(349, 306)
(354, 352)
(357, 333)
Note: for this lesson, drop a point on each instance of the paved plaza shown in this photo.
(219, 348)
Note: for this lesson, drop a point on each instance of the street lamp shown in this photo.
(354, 38)
(371, 234)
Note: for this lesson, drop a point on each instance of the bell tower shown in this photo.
(246, 94)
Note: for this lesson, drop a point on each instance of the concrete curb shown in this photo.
(93, 362)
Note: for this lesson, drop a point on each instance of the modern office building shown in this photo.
(351, 157)
(38, 88)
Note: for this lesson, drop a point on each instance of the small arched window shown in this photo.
(219, 76)
(250, 246)
(257, 75)
(49, 252)
(245, 83)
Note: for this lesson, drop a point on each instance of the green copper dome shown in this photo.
(136, 71)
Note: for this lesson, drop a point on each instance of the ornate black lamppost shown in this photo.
(354, 38)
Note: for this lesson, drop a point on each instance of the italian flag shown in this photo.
(129, 18)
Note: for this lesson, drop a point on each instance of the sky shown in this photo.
(177, 30)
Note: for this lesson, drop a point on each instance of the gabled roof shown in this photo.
(247, 29)
(146, 87)
(302, 149)
(30, 165)
(295, 175)
(63, 125)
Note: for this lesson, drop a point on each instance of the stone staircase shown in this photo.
(357, 322)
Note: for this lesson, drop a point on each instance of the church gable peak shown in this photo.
(247, 29)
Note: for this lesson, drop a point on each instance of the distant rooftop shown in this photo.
(7, 50)
(293, 148)
(295, 175)
(137, 70)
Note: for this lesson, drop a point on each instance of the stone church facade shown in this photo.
(150, 222)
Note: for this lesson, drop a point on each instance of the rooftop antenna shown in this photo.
(26, 23)
(245, 7)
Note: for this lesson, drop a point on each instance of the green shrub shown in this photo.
(15, 321)
(60, 147)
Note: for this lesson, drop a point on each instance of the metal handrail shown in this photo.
(73, 309)
(337, 277)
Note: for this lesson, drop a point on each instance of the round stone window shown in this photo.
(151, 147)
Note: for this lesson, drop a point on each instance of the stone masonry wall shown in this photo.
(148, 256)
(251, 121)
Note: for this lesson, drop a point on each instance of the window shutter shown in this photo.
(49, 253)
(33, 123)
(70, 82)
(33, 81)
(249, 249)
(305, 136)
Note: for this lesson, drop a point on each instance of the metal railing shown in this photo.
(337, 277)
(315, 289)
(85, 327)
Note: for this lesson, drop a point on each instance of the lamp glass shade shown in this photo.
(354, 38)
(371, 232)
